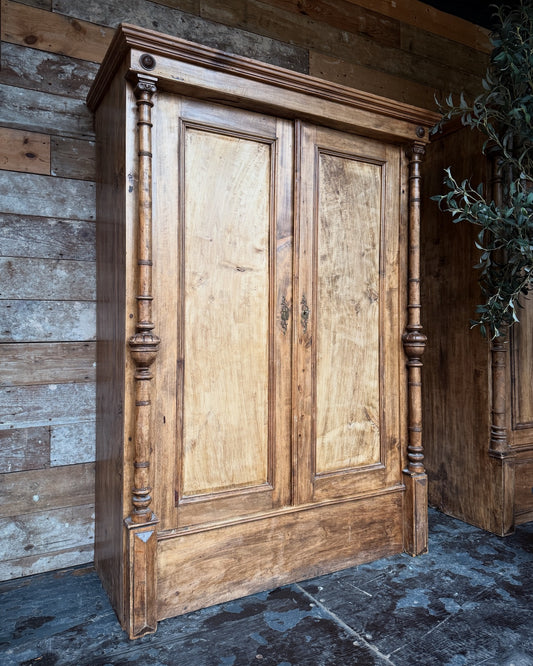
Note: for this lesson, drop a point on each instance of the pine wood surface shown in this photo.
(465, 391)
(50, 53)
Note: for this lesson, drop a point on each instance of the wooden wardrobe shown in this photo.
(478, 394)
(259, 417)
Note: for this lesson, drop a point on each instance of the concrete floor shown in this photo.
(469, 601)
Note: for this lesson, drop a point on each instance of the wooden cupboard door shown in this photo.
(348, 338)
(230, 303)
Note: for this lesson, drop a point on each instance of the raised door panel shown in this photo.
(522, 361)
(231, 438)
(348, 229)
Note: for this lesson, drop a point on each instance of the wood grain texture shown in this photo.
(48, 404)
(73, 443)
(24, 151)
(29, 194)
(356, 48)
(24, 449)
(181, 24)
(343, 15)
(47, 238)
(354, 450)
(51, 31)
(214, 566)
(428, 18)
(48, 362)
(25, 493)
(34, 110)
(47, 321)
(45, 541)
(377, 82)
(456, 411)
(33, 69)
(523, 496)
(348, 312)
(227, 251)
(522, 361)
(60, 280)
(71, 158)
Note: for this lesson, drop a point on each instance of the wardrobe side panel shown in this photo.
(110, 204)
(463, 480)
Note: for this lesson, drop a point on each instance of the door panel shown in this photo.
(347, 385)
(348, 425)
(233, 338)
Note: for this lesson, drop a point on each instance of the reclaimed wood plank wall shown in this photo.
(50, 53)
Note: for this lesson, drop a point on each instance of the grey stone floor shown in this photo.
(469, 601)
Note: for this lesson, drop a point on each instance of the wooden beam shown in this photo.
(21, 150)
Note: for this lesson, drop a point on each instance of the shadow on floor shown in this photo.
(469, 601)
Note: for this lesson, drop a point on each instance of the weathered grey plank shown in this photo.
(29, 236)
(46, 72)
(42, 490)
(72, 444)
(181, 24)
(47, 540)
(47, 196)
(28, 363)
(43, 321)
(42, 112)
(31, 406)
(50, 279)
(25, 448)
(73, 158)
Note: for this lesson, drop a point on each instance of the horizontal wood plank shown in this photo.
(339, 14)
(47, 321)
(26, 364)
(354, 48)
(51, 31)
(24, 448)
(49, 238)
(190, 6)
(47, 196)
(41, 490)
(47, 72)
(73, 443)
(428, 18)
(35, 110)
(50, 404)
(428, 45)
(371, 80)
(47, 540)
(73, 158)
(51, 279)
(194, 28)
(21, 150)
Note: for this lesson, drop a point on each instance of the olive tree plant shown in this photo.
(503, 112)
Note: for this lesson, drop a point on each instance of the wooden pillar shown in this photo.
(499, 446)
(414, 342)
(141, 524)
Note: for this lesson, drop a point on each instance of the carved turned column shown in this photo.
(499, 445)
(414, 342)
(144, 344)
